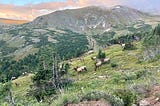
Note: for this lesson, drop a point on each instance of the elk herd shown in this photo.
(79, 69)
(98, 63)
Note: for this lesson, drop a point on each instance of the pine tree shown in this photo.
(101, 55)
(152, 44)
(48, 79)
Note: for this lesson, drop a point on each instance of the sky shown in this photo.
(30, 9)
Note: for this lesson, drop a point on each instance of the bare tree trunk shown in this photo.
(67, 71)
(11, 97)
(58, 72)
(67, 76)
(53, 70)
(44, 68)
(44, 65)
(56, 75)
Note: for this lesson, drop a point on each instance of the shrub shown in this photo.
(129, 46)
(101, 55)
(113, 65)
(127, 96)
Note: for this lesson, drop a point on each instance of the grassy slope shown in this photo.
(128, 65)
(24, 82)
(20, 92)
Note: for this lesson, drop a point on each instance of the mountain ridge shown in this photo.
(102, 24)
(89, 18)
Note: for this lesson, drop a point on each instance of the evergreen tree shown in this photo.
(153, 38)
(101, 55)
(48, 79)
(152, 44)
(6, 90)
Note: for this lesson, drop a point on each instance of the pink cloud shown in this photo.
(31, 11)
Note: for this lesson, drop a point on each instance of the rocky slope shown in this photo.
(89, 18)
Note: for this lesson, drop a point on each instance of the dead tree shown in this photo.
(44, 68)
(44, 65)
(55, 71)
(67, 71)
(11, 96)
(9, 90)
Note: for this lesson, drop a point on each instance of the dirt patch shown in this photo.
(92, 103)
(153, 99)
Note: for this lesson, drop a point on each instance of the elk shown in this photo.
(13, 78)
(106, 60)
(90, 52)
(80, 69)
(97, 65)
(17, 84)
(100, 62)
(123, 45)
(93, 58)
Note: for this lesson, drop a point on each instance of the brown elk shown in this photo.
(100, 62)
(106, 60)
(93, 58)
(90, 52)
(17, 84)
(80, 69)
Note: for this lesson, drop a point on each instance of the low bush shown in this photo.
(114, 65)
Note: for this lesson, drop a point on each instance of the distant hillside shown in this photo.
(90, 18)
(12, 22)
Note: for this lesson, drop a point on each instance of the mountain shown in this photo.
(12, 22)
(89, 18)
(59, 27)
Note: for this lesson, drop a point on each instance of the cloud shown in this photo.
(31, 11)
(107, 3)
